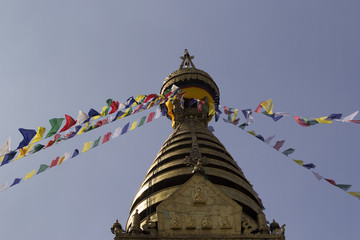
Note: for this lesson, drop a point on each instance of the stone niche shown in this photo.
(198, 207)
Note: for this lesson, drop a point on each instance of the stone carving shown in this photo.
(248, 226)
(135, 223)
(206, 222)
(280, 231)
(225, 223)
(190, 222)
(176, 222)
(274, 226)
(116, 229)
(199, 197)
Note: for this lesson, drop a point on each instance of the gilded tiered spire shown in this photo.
(194, 187)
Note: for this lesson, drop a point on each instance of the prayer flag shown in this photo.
(96, 142)
(51, 142)
(114, 106)
(268, 106)
(87, 146)
(117, 132)
(76, 152)
(273, 116)
(299, 162)
(8, 157)
(211, 128)
(5, 148)
(344, 187)
(309, 165)
(150, 97)
(142, 121)
(252, 133)
(69, 123)
(24, 151)
(3, 186)
(157, 113)
(73, 133)
(288, 151)
(61, 160)
(129, 102)
(133, 125)
(279, 144)
(355, 121)
(283, 114)
(217, 113)
(150, 117)
(355, 194)
(84, 128)
(55, 126)
(30, 174)
(269, 139)
(16, 181)
(42, 168)
(247, 113)
(39, 134)
(235, 115)
(301, 121)
(323, 120)
(106, 137)
(334, 116)
(54, 162)
(258, 108)
(236, 122)
(118, 115)
(140, 99)
(242, 126)
(92, 113)
(330, 181)
(28, 134)
(317, 175)
(211, 108)
(82, 117)
(38, 147)
(350, 117)
(260, 137)
(125, 128)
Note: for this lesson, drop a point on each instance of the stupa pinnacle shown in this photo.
(194, 189)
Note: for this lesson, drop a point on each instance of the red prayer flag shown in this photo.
(279, 144)
(54, 162)
(301, 121)
(258, 109)
(51, 142)
(355, 121)
(114, 106)
(150, 97)
(69, 123)
(150, 117)
(330, 181)
(106, 137)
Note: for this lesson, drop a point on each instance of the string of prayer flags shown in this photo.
(55, 126)
(59, 160)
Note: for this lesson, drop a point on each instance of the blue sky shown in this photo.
(61, 57)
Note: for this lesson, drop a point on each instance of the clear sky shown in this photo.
(59, 57)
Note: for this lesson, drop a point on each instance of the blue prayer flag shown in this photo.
(309, 165)
(76, 152)
(16, 181)
(8, 157)
(124, 130)
(28, 134)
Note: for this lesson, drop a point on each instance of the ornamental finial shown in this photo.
(187, 60)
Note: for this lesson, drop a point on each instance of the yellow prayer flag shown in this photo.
(300, 162)
(87, 146)
(83, 129)
(39, 134)
(30, 174)
(138, 99)
(235, 115)
(355, 194)
(1, 159)
(102, 113)
(323, 120)
(268, 106)
(252, 133)
(211, 109)
(61, 160)
(23, 151)
(133, 125)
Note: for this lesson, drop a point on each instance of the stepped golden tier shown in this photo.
(194, 189)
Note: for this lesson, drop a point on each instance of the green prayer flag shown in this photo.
(42, 168)
(242, 126)
(344, 187)
(38, 147)
(96, 142)
(288, 151)
(55, 125)
(109, 101)
(142, 121)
